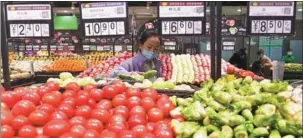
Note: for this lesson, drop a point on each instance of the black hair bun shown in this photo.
(148, 28)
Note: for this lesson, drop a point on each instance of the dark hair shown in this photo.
(147, 34)
(261, 51)
(242, 50)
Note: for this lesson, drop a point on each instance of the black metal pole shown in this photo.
(212, 40)
(219, 40)
(248, 57)
(4, 49)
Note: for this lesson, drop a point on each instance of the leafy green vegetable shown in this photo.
(194, 111)
(274, 134)
(275, 87)
(289, 136)
(222, 97)
(248, 114)
(173, 99)
(236, 120)
(211, 128)
(264, 120)
(200, 133)
(260, 132)
(288, 127)
(227, 131)
(266, 109)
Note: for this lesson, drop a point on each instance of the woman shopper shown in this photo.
(289, 58)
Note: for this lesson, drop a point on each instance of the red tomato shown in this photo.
(53, 86)
(59, 115)
(126, 134)
(120, 86)
(137, 110)
(33, 97)
(161, 125)
(4, 107)
(69, 135)
(91, 103)
(89, 87)
(133, 92)
(58, 94)
(119, 99)
(18, 121)
(148, 135)
(81, 92)
(68, 93)
(91, 134)
(139, 130)
(52, 99)
(94, 124)
(165, 105)
(27, 131)
(73, 86)
(23, 107)
(117, 118)
(132, 102)
(43, 90)
(147, 103)
(20, 91)
(108, 134)
(39, 130)
(42, 136)
(39, 118)
(56, 128)
(7, 131)
(121, 110)
(77, 120)
(150, 126)
(78, 130)
(96, 94)
(70, 101)
(163, 133)
(84, 111)
(116, 127)
(163, 97)
(9, 99)
(67, 109)
(136, 120)
(82, 99)
(150, 92)
(109, 92)
(104, 104)
(46, 107)
(6, 118)
(100, 114)
(230, 69)
(155, 115)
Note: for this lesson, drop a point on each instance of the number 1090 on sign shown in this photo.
(104, 28)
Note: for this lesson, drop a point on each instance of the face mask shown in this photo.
(148, 54)
(289, 53)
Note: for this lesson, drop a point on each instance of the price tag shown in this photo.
(71, 48)
(173, 29)
(120, 28)
(181, 27)
(13, 29)
(112, 28)
(29, 30)
(21, 30)
(60, 48)
(118, 48)
(36, 47)
(189, 27)
(93, 48)
(197, 27)
(106, 47)
(29, 47)
(43, 47)
(21, 48)
(86, 47)
(53, 47)
(280, 16)
(129, 47)
(99, 48)
(165, 27)
(104, 28)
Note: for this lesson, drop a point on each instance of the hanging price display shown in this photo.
(26, 20)
(181, 18)
(270, 17)
(104, 19)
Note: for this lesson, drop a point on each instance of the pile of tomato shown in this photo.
(114, 111)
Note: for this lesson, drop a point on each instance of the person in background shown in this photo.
(145, 59)
(289, 58)
(239, 59)
(266, 64)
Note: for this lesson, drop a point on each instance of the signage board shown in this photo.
(25, 20)
(104, 19)
(271, 17)
(182, 18)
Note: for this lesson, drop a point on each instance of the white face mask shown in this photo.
(289, 53)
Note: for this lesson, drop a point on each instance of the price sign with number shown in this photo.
(182, 18)
(271, 17)
(104, 19)
(26, 20)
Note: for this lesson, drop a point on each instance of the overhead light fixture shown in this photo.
(239, 10)
(207, 10)
(65, 11)
(300, 9)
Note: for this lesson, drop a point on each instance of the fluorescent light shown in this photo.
(300, 9)
(239, 10)
(207, 10)
(65, 11)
